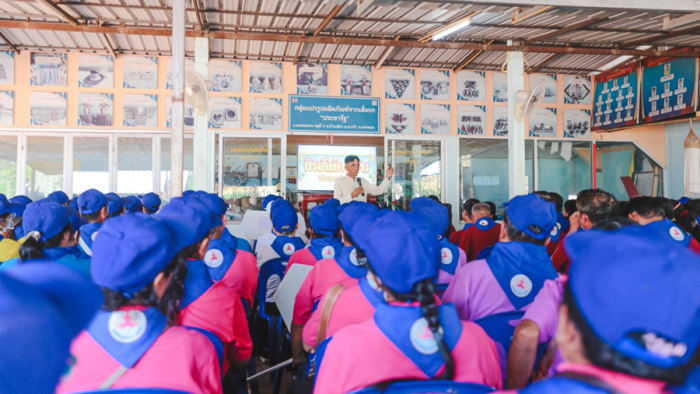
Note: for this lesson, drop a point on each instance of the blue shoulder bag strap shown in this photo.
(218, 345)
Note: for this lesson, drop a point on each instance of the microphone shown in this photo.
(359, 182)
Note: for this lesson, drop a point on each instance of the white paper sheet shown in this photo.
(287, 292)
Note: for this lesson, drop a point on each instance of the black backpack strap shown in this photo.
(591, 381)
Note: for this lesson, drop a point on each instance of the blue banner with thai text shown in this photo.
(327, 114)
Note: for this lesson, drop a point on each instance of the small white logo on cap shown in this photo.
(328, 252)
(558, 226)
(446, 256)
(521, 285)
(422, 338)
(127, 326)
(213, 258)
(554, 232)
(483, 223)
(676, 233)
(353, 257)
(288, 249)
(93, 236)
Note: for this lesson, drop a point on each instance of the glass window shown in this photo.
(484, 169)
(619, 162)
(564, 167)
(418, 170)
(44, 166)
(245, 172)
(188, 167)
(135, 165)
(90, 164)
(8, 165)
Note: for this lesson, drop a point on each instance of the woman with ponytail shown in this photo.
(10, 219)
(411, 336)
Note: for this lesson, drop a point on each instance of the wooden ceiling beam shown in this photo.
(470, 58)
(199, 25)
(570, 28)
(110, 48)
(8, 42)
(657, 38)
(61, 12)
(543, 63)
(328, 19)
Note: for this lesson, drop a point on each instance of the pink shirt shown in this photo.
(325, 274)
(622, 382)
(544, 310)
(475, 292)
(180, 359)
(446, 277)
(243, 275)
(304, 257)
(360, 355)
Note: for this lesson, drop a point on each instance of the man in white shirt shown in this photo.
(352, 188)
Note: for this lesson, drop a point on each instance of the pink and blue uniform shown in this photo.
(319, 249)
(236, 268)
(451, 257)
(325, 245)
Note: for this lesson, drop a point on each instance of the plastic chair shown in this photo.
(243, 374)
(136, 391)
(428, 387)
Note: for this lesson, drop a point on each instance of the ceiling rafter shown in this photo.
(568, 29)
(60, 11)
(328, 19)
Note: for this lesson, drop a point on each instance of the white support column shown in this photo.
(178, 110)
(452, 167)
(517, 180)
(203, 139)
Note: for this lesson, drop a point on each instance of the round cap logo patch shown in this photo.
(127, 326)
(353, 257)
(213, 258)
(554, 232)
(94, 235)
(676, 233)
(422, 338)
(558, 226)
(328, 252)
(483, 223)
(446, 256)
(288, 249)
(521, 285)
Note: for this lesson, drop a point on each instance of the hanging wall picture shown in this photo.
(434, 85)
(7, 108)
(312, 78)
(471, 85)
(549, 84)
(577, 89)
(265, 77)
(95, 109)
(401, 119)
(189, 66)
(435, 118)
(190, 112)
(471, 119)
(400, 83)
(225, 113)
(577, 123)
(616, 98)
(49, 108)
(500, 121)
(543, 122)
(669, 86)
(355, 80)
(140, 110)
(140, 72)
(96, 71)
(500, 87)
(7, 67)
(265, 114)
(225, 76)
(48, 69)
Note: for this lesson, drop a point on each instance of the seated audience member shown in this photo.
(59, 197)
(483, 234)
(21, 199)
(436, 216)
(134, 341)
(132, 204)
(411, 337)
(76, 222)
(650, 211)
(325, 238)
(494, 210)
(269, 238)
(466, 218)
(539, 325)
(114, 205)
(48, 238)
(510, 278)
(151, 203)
(10, 219)
(93, 208)
(284, 224)
(569, 208)
(593, 205)
(42, 308)
(558, 235)
(638, 329)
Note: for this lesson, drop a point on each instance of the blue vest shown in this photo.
(219, 258)
(521, 269)
(197, 282)
(406, 328)
(234, 242)
(374, 296)
(326, 248)
(563, 222)
(449, 256)
(347, 260)
(286, 246)
(669, 229)
(485, 224)
(88, 233)
(467, 225)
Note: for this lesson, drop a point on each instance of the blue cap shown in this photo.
(130, 251)
(74, 218)
(644, 303)
(48, 218)
(4, 204)
(351, 212)
(114, 204)
(324, 219)
(334, 202)
(532, 215)
(187, 193)
(268, 199)
(284, 217)
(43, 307)
(21, 199)
(401, 250)
(132, 204)
(151, 201)
(433, 213)
(18, 209)
(215, 204)
(59, 196)
(189, 220)
(91, 201)
(684, 200)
